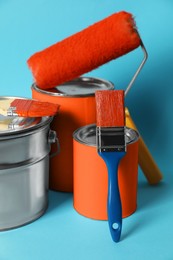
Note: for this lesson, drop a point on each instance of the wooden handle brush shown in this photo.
(146, 161)
(27, 108)
(84, 51)
(111, 146)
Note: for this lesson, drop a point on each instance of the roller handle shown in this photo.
(146, 161)
(114, 208)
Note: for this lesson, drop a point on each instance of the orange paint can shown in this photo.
(91, 177)
(77, 108)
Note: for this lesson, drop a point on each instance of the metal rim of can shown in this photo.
(100, 83)
(81, 134)
(32, 124)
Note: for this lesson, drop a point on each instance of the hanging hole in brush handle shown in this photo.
(52, 139)
(114, 208)
(115, 226)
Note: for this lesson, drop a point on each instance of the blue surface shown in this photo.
(29, 26)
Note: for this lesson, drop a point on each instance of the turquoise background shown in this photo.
(30, 26)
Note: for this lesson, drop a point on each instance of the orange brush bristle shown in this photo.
(33, 108)
(84, 51)
(110, 108)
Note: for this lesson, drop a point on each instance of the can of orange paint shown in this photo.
(91, 177)
(77, 108)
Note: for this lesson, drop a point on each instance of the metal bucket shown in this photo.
(91, 177)
(77, 108)
(24, 168)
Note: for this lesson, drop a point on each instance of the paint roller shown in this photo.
(86, 50)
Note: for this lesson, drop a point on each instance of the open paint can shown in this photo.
(25, 145)
(91, 176)
(77, 108)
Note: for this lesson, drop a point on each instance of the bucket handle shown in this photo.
(53, 139)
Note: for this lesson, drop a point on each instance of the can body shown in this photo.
(77, 108)
(24, 169)
(91, 177)
(23, 193)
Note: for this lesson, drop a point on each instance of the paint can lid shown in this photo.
(79, 87)
(10, 125)
(87, 135)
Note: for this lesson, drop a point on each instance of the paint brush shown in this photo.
(27, 108)
(111, 146)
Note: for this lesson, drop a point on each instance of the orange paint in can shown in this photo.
(91, 178)
(77, 108)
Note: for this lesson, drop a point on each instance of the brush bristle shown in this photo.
(84, 51)
(110, 109)
(33, 108)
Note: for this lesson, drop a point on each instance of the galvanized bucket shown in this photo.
(25, 145)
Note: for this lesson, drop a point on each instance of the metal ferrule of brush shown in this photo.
(11, 111)
(111, 139)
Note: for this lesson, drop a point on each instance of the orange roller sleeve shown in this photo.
(84, 51)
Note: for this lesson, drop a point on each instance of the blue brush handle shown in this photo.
(114, 208)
